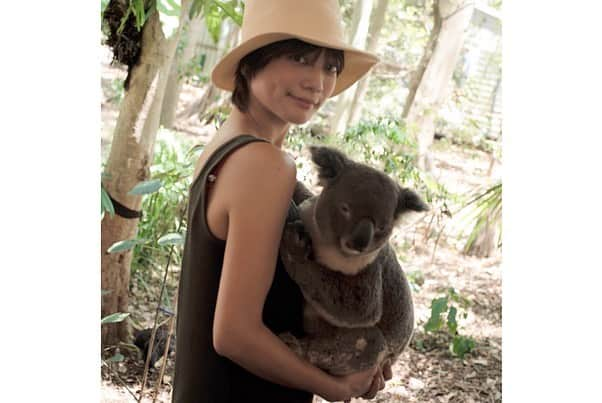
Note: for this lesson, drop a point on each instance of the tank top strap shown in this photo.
(196, 202)
(221, 152)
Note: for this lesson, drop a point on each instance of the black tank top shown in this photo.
(201, 375)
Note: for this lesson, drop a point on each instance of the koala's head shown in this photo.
(359, 205)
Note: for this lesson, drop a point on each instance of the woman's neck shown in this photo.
(257, 122)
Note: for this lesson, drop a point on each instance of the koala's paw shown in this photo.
(292, 342)
(296, 243)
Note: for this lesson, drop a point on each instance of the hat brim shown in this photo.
(357, 62)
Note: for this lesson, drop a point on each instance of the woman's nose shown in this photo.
(314, 81)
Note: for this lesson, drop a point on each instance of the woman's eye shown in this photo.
(331, 68)
(300, 59)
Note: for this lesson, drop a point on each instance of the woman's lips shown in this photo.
(303, 103)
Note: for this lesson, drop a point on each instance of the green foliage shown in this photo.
(450, 304)
(497, 4)
(383, 143)
(114, 318)
(115, 91)
(106, 205)
(103, 5)
(125, 245)
(215, 12)
(386, 143)
(146, 187)
(164, 211)
(164, 206)
(438, 307)
(461, 345)
(171, 239)
(484, 208)
(140, 12)
(169, 15)
(118, 357)
(169, 7)
(416, 280)
(193, 71)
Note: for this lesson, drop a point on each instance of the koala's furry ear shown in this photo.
(330, 162)
(409, 200)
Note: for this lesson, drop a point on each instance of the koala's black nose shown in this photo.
(361, 236)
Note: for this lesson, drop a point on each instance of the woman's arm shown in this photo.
(255, 189)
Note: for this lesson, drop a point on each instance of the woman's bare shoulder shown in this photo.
(250, 177)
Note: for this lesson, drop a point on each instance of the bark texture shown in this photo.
(129, 163)
(430, 83)
(196, 34)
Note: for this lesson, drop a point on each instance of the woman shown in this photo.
(234, 294)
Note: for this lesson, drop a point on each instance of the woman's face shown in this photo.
(294, 87)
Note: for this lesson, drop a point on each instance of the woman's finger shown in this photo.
(373, 388)
(387, 372)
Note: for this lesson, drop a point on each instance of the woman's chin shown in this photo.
(300, 118)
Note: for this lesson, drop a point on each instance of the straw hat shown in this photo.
(314, 21)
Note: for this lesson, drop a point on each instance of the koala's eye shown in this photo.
(345, 210)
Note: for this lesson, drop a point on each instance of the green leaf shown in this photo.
(195, 149)
(121, 246)
(196, 8)
(439, 305)
(103, 5)
(114, 317)
(146, 187)
(229, 10)
(105, 202)
(435, 322)
(461, 345)
(452, 324)
(137, 7)
(169, 7)
(171, 239)
(169, 15)
(213, 21)
(118, 357)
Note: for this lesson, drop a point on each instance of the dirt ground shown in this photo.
(426, 371)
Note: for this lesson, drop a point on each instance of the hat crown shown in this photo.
(319, 19)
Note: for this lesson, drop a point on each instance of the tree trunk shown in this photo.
(430, 83)
(373, 36)
(359, 34)
(128, 164)
(196, 28)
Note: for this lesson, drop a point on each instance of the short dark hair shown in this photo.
(252, 63)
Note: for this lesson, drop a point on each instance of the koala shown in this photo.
(358, 309)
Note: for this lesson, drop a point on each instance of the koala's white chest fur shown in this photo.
(329, 254)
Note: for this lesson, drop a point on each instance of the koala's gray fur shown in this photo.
(359, 311)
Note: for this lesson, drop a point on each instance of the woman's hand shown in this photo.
(379, 380)
(352, 385)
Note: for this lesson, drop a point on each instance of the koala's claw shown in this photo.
(292, 342)
(296, 241)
